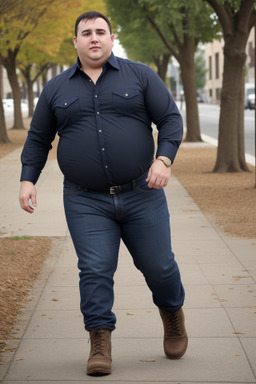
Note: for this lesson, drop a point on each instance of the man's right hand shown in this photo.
(27, 196)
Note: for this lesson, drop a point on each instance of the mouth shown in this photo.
(94, 48)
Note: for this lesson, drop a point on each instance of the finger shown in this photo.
(149, 175)
(25, 204)
(152, 182)
(27, 207)
(34, 201)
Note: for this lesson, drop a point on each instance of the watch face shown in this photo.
(167, 161)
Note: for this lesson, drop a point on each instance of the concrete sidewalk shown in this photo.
(219, 274)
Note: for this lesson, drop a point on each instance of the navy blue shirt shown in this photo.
(105, 133)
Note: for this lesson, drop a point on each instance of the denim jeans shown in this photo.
(97, 222)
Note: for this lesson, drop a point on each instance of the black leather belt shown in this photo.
(120, 188)
(113, 189)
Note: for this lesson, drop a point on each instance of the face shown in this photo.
(93, 42)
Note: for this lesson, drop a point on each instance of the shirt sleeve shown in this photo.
(40, 136)
(165, 114)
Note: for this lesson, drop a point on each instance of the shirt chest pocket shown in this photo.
(67, 110)
(125, 100)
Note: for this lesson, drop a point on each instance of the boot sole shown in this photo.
(98, 372)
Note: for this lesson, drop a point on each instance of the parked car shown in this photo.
(251, 101)
(248, 91)
(7, 103)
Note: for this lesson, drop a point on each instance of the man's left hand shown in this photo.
(158, 175)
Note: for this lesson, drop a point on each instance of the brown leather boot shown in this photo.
(99, 362)
(175, 335)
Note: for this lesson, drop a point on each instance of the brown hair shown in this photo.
(91, 16)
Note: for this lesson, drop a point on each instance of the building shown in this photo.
(214, 59)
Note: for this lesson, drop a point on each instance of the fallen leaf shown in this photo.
(240, 277)
(147, 361)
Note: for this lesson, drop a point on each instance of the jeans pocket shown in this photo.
(142, 186)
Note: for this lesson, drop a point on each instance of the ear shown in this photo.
(75, 42)
(112, 38)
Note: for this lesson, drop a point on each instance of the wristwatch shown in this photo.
(167, 162)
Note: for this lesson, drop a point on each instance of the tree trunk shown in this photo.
(29, 82)
(10, 64)
(3, 131)
(187, 66)
(162, 65)
(231, 152)
(185, 57)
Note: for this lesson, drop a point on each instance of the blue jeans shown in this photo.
(97, 221)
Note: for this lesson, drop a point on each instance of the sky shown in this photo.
(118, 49)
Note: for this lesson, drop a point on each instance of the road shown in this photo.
(209, 120)
(8, 113)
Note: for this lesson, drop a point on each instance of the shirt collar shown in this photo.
(111, 61)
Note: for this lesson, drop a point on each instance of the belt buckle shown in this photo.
(112, 190)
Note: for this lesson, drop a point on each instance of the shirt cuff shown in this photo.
(167, 149)
(29, 174)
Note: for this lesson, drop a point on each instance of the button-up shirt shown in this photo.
(105, 129)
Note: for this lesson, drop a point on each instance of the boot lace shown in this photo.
(97, 343)
(173, 325)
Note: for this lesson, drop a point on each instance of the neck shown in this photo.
(93, 73)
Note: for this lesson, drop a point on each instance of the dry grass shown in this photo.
(230, 199)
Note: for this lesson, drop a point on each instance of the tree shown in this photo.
(237, 17)
(8, 5)
(41, 50)
(5, 7)
(181, 24)
(3, 131)
(14, 28)
(144, 44)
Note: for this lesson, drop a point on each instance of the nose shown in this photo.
(94, 37)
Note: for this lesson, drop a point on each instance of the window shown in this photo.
(218, 93)
(217, 65)
(210, 67)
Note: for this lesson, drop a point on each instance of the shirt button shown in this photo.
(96, 96)
(98, 113)
(103, 149)
(126, 94)
(100, 130)
(106, 166)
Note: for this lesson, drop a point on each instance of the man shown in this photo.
(102, 108)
